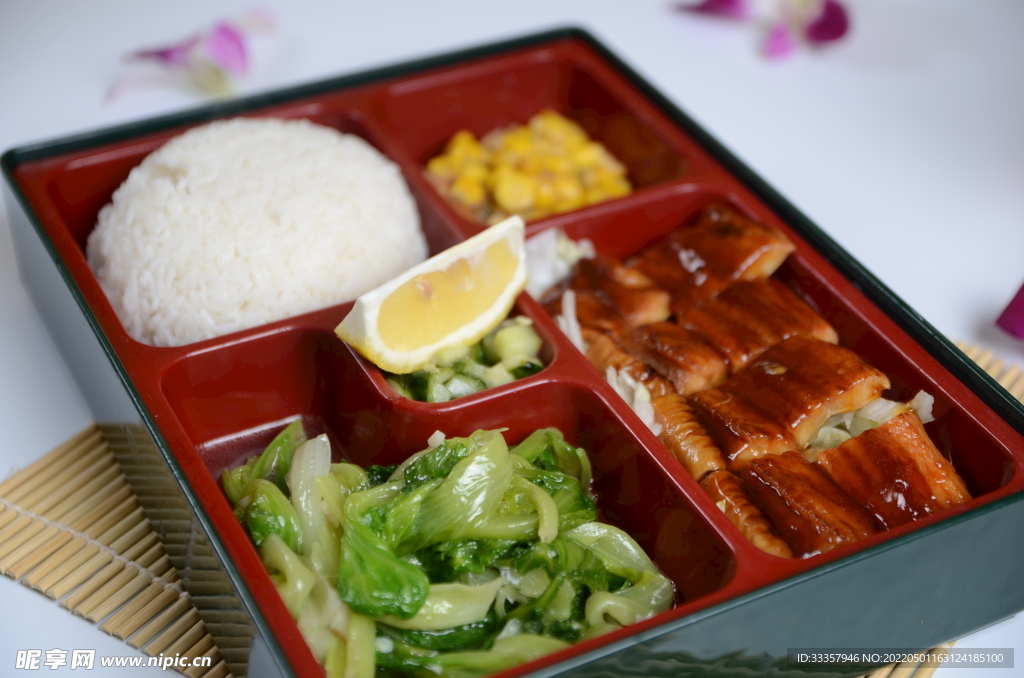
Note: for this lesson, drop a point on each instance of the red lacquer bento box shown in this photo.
(186, 414)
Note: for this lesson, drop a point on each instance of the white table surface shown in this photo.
(905, 142)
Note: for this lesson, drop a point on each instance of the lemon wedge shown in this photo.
(453, 298)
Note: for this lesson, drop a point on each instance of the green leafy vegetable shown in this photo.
(265, 510)
(272, 465)
(379, 474)
(311, 465)
(448, 561)
(467, 559)
(293, 579)
(470, 636)
(504, 654)
(371, 578)
(450, 605)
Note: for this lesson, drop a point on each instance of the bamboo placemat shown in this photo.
(1010, 377)
(72, 529)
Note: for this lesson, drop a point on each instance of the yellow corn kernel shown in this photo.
(514, 191)
(499, 170)
(545, 196)
(614, 185)
(517, 142)
(464, 148)
(606, 187)
(553, 125)
(590, 155)
(606, 179)
(468, 190)
(531, 164)
(443, 167)
(567, 187)
(556, 164)
(476, 170)
(568, 193)
(593, 195)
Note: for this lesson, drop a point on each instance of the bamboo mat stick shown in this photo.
(204, 648)
(904, 670)
(140, 611)
(1011, 378)
(159, 622)
(165, 639)
(95, 516)
(71, 528)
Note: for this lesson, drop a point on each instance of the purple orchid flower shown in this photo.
(831, 23)
(1011, 320)
(208, 60)
(225, 46)
(733, 9)
(779, 42)
(785, 22)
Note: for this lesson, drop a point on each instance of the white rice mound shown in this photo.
(243, 222)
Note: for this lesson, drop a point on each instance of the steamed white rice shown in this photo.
(243, 222)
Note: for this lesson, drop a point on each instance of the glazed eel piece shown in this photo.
(719, 338)
(680, 355)
(683, 435)
(712, 340)
(603, 352)
(895, 471)
(811, 512)
(724, 247)
(610, 296)
(780, 400)
(750, 317)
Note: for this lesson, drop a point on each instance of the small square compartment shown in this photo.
(554, 345)
(422, 114)
(232, 401)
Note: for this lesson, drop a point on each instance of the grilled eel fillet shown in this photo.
(811, 512)
(895, 471)
(683, 435)
(680, 355)
(750, 317)
(779, 401)
(603, 352)
(610, 296)
(697, 262)
(728, 494)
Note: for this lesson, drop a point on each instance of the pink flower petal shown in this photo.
(172, 55)
(779, 42)
(831, 23)
(224, 46)
(1011, 320)
(733, 9)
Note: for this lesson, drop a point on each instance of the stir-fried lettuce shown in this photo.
(467, 559)
(272, 465)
